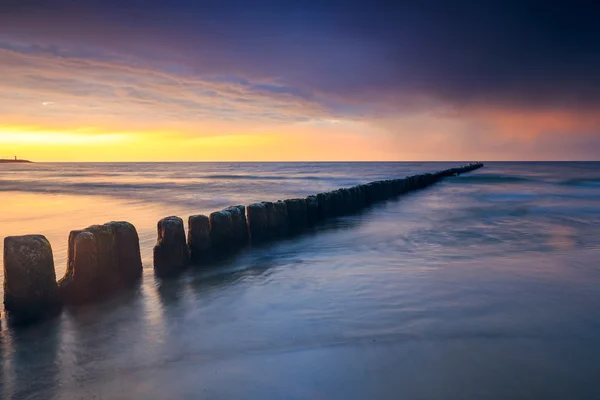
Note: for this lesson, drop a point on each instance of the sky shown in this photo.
(266, 80)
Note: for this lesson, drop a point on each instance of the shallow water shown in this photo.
(484, 286)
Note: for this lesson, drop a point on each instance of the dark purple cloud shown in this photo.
(530, 54)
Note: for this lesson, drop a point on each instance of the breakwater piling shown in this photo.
(30, 289)
(101, 260)
(171, 253)
(226, 231)
(199, 237)
(104, 259)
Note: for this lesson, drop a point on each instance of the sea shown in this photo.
(483, 286)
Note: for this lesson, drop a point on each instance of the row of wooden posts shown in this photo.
(105, 259)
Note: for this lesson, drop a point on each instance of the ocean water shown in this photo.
(484, 286)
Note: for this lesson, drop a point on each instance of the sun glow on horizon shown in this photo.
(207, 142)
(59, 138)
(402, 138)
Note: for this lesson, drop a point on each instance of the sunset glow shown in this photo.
(25, 138)
(253, 88)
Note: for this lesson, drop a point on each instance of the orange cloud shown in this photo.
(531, 125)
(489, 133)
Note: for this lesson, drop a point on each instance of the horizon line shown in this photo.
(301, 161)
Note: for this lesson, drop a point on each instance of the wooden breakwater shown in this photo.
(105, 259)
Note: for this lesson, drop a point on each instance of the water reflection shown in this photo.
(32, 367)
(170, 292)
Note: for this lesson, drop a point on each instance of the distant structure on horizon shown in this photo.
(10, 160)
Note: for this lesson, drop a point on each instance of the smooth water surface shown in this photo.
(484, 286)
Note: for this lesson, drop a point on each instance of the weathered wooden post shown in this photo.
(239, 225)
(129, 258)
(109, 277)
(258, 222)
(102, 259)
(171, 254)
(312, 210)
(277, 217)
(370, 195)
(324, 203)
(297, 214)
(199, 237)
(356, 198)
(345, 203)
(30, 289)
(221, 229)
(81, 281)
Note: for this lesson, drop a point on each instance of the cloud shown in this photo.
(525, 53)
(117, 91)
(464, 75)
